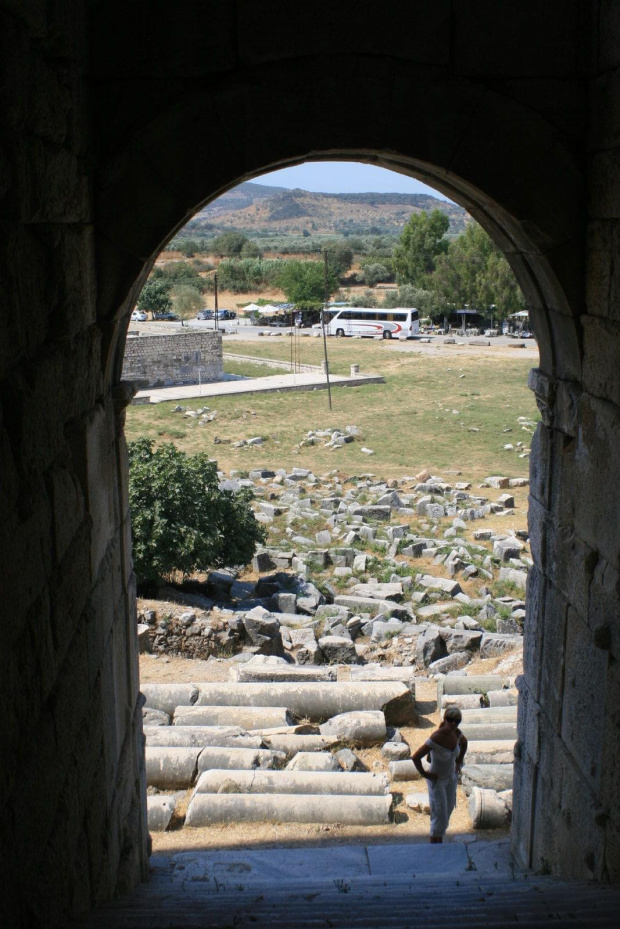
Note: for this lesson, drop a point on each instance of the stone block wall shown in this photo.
(178, 358)
(72, 798)
(567, 796)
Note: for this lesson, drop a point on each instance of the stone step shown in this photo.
(220, 869)
(445, 885)
(344, 901)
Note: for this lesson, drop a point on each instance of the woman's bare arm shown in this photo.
(461, 755)
(417, 757)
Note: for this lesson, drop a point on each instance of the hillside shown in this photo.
(239, 198)
(260, 210)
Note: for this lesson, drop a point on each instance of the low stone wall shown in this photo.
(179, 358)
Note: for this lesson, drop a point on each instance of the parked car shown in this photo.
(221, 314)
(165, 317)
(138, 316)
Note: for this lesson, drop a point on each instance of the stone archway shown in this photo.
(142, 116)
(541, 242)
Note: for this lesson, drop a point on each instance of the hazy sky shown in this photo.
(344, 177)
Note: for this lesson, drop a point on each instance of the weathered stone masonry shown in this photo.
(118, 121)
(179, 358)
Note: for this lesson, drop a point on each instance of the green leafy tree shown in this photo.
(421, 242)
(425, 301)
(303, 282)
(381, 246)
(241, 275)
(339, 256)
(228, 244)
(369, 298)
(186, 300)
(155, 297)
(356, 244)
(474, 272)
(180, 272)
(199, 264)
(250, 250)
(181, 521)
(374, 273)
(188, 246)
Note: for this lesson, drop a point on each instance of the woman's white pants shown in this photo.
(442, 800)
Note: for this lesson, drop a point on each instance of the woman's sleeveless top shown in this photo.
(443, 760)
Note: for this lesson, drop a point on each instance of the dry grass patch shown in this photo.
(421, 417)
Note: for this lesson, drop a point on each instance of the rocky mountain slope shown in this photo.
(256, 208)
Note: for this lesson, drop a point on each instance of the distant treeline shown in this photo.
(263, 242)
(433, 271)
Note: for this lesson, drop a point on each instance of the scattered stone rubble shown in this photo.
(397, 581)
(359, 569)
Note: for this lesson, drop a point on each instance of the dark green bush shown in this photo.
(181, 521)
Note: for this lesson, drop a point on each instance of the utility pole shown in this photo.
(215, 304)
(325, 301)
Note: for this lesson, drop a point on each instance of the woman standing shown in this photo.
(446, 747)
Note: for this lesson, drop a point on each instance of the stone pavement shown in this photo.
(444, 886)
(253, 385)
(225, 870)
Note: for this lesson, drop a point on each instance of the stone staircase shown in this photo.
(355, 887)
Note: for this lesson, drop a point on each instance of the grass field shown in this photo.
(420, 418)
(248, 369)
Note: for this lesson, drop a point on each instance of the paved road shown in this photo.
(231, 330)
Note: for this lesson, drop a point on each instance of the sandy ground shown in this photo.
(160, 669)
(407, 825)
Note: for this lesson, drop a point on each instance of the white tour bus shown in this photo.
(389, 324)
